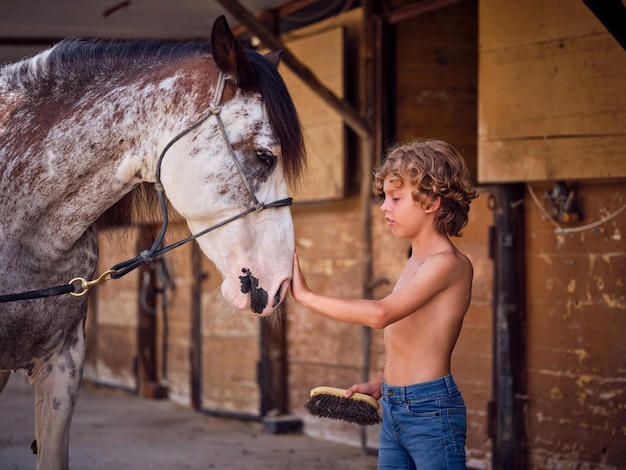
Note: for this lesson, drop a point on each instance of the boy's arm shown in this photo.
(416, 292)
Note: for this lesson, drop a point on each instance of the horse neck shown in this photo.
(76, 166)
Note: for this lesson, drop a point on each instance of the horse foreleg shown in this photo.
(56, 382)
(4, 378)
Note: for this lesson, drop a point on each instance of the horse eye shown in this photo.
(266, 157)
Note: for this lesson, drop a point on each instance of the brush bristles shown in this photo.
(335, 406)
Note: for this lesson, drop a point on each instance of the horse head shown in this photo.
(242, 156)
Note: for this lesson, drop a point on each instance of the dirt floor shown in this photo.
(117, 430)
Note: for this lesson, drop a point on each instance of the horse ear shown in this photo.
(274, 57)
(230, 57)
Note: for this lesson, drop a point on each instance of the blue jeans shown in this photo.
(423, 426)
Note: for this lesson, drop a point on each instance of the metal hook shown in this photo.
(86, 285)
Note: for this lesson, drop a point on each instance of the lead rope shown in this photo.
(78, 287)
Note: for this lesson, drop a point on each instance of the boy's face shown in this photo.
(405, 216)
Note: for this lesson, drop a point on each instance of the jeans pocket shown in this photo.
(458, 427)
(423, 409)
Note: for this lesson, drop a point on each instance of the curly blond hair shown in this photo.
(436, 170)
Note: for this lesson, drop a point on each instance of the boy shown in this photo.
(427, 192)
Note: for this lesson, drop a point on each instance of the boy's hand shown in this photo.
(368, 388)
(299, 288)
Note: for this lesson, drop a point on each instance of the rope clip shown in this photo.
(86, 285)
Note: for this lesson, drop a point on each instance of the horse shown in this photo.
(83, 125)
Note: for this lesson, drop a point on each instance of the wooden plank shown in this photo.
(552, 159)
(575, 348)
(324, 129)
(300, 68)
(573, 86)
(512, 23)
(551, 98)
(436, 78)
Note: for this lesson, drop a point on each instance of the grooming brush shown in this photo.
(329, 402)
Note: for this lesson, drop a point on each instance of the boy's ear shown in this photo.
(434, 205)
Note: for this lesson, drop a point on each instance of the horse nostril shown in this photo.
(281, 292)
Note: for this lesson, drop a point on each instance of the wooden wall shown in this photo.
(576, 321)
(551, 93)
(321, 351)
(552, 106)
(436, 60)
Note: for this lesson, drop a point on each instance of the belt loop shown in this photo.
(450, 385)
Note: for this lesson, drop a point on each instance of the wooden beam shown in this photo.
(293, 6)
(349, 114)
(413, 9)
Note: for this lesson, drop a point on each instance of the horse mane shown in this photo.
(72, 62)
(282, 115)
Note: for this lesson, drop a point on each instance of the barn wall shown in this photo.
(112, 319)
(322, 351)
(111, 327)
(576, 354)
(552, 106)
(178, 335)
(551, 93)
(437, 74)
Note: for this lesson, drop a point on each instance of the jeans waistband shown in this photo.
(441, 387)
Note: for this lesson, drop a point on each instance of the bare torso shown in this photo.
(419, 346)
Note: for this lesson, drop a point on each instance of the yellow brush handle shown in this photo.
(340, 392)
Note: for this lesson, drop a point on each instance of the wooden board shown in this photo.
(436, 78)
(576, 354)
(324, 130)
(112, 317)
(552, 104)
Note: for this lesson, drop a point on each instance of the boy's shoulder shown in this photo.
(449, 262)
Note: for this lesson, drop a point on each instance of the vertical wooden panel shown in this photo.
(230, 352)
(117, 305)
(323, 351)
(324, 130)
(437, 72)
(576, 323)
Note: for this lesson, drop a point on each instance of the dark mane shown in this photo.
(282, 115)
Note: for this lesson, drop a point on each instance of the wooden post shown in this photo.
(506, 414)
(146, 322)
(272, 367)
(196, 326)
